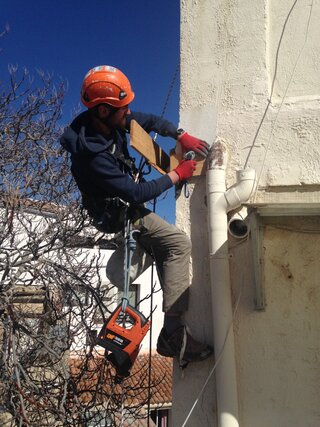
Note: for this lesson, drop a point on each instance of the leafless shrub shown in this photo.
(51, 285)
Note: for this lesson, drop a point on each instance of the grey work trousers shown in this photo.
(169, 247)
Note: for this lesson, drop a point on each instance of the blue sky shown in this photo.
(67, 38)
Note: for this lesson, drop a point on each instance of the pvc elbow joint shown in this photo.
(241, 192)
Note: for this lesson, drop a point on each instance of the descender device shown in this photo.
(122, 333)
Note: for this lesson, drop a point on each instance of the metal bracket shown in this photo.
(256, 227)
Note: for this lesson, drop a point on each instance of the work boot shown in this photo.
(182, 345)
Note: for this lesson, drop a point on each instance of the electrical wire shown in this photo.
(171, 86)
(218, 358)
(154, 203)
(284, 96)
(272, 85)
(246, 164)
(293, 229)
(150, 336)
(269, 102)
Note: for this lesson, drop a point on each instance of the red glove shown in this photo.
(185, 169)
(189, 142)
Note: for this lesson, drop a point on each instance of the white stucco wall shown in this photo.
(228, 56)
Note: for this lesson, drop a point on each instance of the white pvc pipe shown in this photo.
(220, 202)
(238, 227)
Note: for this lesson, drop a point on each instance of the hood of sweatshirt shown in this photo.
(79, 138)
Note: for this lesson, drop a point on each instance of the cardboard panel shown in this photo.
(141, 141)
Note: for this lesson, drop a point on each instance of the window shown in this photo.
(160, 417)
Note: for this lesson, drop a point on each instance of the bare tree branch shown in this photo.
(52, 288)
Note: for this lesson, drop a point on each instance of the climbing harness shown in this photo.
(122, 333)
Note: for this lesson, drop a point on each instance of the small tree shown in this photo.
(51, 289)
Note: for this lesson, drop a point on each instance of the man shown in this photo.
(105, 173)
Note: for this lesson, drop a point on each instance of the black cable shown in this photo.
(272, 84)
(152, 267)
(150, 337)
(170, 88)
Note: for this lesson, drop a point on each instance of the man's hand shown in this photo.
(185, 169)
(189, 142)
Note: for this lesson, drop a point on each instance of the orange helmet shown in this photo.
(106, 85)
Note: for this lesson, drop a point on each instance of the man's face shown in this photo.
(114, 119)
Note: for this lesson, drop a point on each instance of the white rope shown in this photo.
(183, 346)
(122, 407)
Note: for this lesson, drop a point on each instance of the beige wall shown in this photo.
(228, 53)
(278, 349)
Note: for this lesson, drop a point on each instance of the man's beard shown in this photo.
(108, 121)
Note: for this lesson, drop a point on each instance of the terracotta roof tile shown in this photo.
(88, 377)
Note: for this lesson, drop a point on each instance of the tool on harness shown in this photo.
(111, 216)
(108, 214)
(122, 333)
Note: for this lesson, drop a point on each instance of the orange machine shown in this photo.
(121, 336)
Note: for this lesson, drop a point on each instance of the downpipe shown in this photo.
(220, 201)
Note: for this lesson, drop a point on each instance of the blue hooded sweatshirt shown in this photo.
(99, 174)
